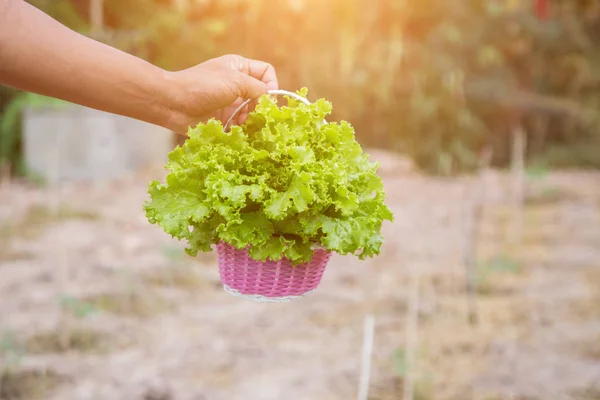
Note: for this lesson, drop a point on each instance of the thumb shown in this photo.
(249, 87)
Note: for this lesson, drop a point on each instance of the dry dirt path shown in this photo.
(98, 304)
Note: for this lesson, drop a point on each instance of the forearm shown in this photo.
(38, 54)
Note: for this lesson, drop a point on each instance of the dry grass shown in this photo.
(182, 277)
(498, 276)
(590, 393)
(7, 254)
(38, 217)
(81, 340)
(131, 304)
(394, 389)
(592, 277)
(28, 385)
(548, 195)
(178, 255)
(157, 394)
(587, 308)
(591, 348)
(501, 397)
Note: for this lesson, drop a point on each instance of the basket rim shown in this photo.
(314, 246)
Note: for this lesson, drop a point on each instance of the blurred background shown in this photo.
(484, 117)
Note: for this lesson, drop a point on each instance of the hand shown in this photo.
(86, 72)
(216, 88)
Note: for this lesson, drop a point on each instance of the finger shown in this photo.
(237, 120)
(243, 116)
(229, 110)
(238, 102)
(264, 72)
(261, 70)
(249, 87)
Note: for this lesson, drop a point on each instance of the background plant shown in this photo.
(440, 81)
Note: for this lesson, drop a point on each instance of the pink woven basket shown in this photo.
(272, 281)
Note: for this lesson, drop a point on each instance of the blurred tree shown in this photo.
(439, 80)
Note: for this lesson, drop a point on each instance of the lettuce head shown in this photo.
(281, 184)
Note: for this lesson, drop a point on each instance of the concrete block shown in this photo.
(73, 143)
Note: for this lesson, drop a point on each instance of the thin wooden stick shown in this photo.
(5, 173)
(97, 16)
(62, 278)
(518, 184)
(367, 353)
(412, 331)
(368, 335)
(469, 261)
(473, 217)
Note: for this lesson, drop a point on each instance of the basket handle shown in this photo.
(245, 103)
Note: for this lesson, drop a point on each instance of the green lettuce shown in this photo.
(280, 185)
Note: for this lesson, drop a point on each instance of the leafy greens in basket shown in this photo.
(280, 184)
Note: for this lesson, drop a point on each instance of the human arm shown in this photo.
(40, 55)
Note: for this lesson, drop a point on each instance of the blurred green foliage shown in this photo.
(439, 80)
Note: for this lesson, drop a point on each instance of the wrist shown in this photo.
(153, 97)
(172, 103)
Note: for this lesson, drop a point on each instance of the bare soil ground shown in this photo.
(96, 303)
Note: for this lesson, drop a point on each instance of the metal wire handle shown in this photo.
(281, 92)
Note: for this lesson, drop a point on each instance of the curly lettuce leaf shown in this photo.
(280, 184)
